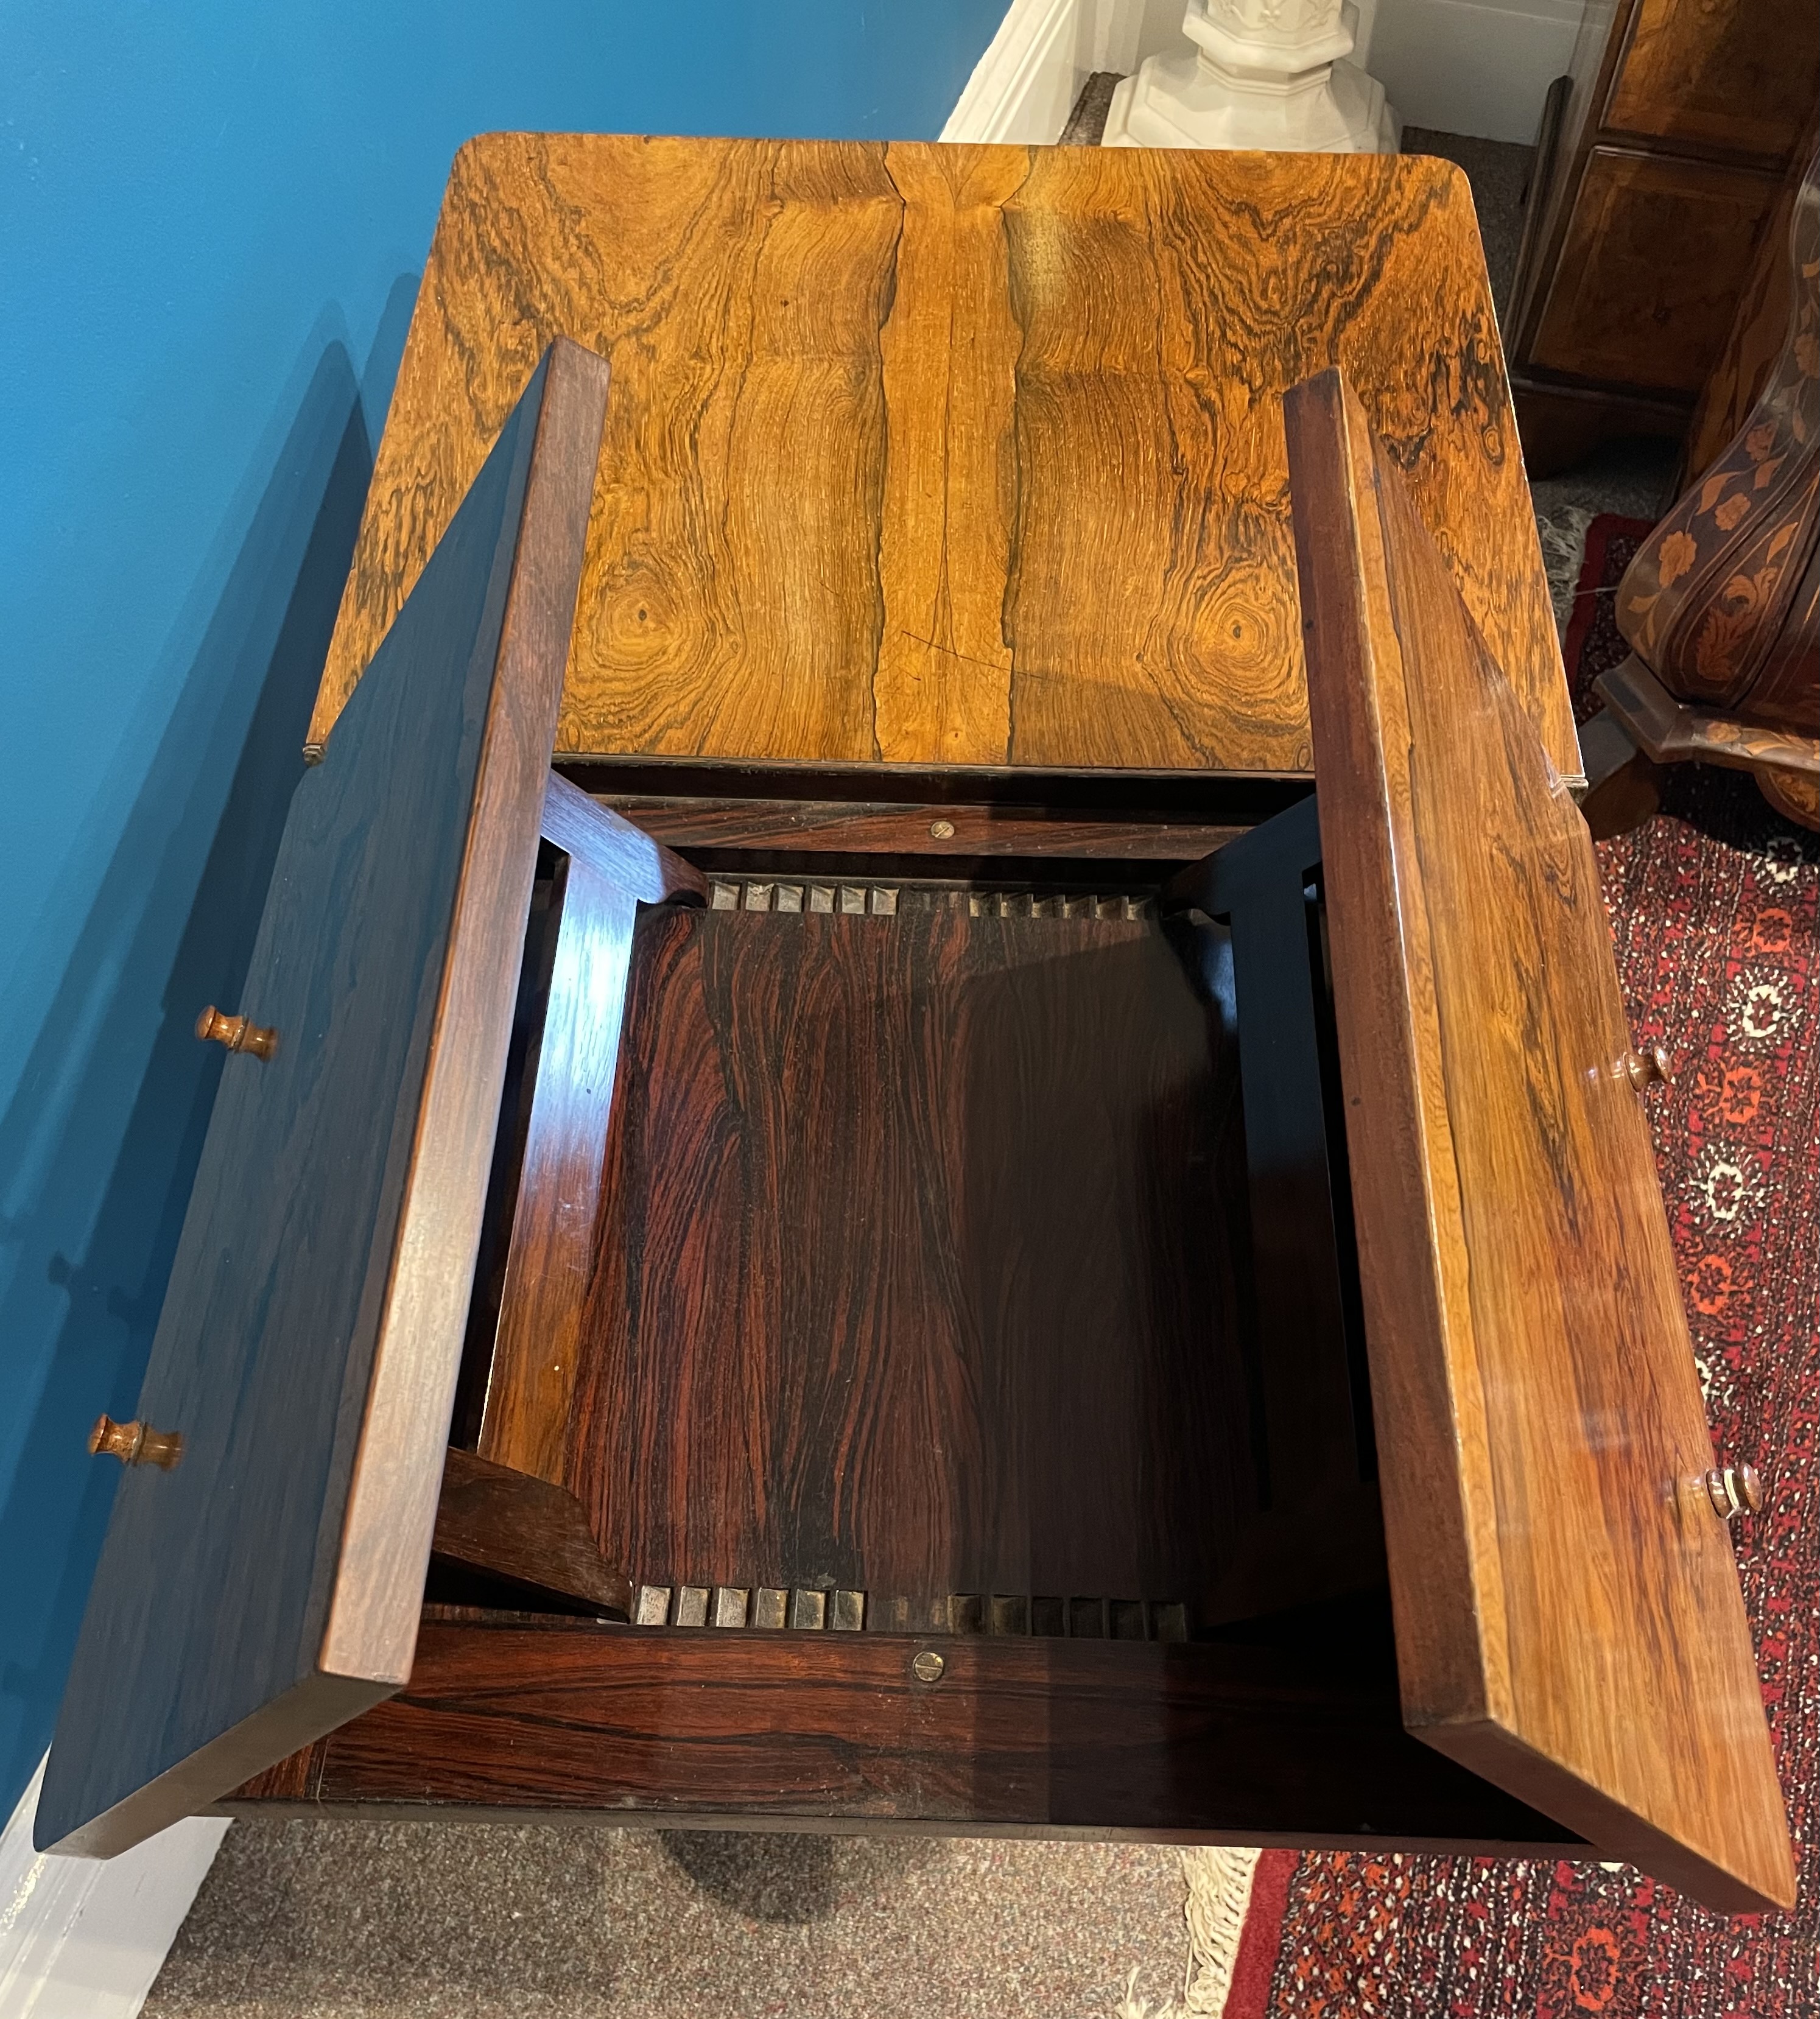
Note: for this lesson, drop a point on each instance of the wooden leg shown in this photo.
(1785, 764)
(1624, 785)
(1796, 794)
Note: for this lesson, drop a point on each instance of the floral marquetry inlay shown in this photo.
(1722, 602)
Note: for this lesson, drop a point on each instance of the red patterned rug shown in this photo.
(1714, 907)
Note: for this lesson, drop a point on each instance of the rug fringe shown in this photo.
(1562, 538)
(1218, 1879)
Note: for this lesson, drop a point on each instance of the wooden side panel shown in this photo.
(1235, 1744)
(612, 868)
(269, 1585)
(948, 834)
(1613, 281)
(954, 455)
(1739, 74)
(1554, 174)
(1569, 1617)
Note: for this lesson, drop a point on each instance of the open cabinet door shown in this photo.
(267, 1586)
(1569, 1624)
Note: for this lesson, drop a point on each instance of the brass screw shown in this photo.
(1644, 1068)
(236, 1033)
(928, 1666)
(1734, 1490)
(943, 830)
(135, 1443)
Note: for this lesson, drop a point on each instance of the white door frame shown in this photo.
(84, 1938)
(1024, 87)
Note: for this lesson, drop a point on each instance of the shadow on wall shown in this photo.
(231, 752)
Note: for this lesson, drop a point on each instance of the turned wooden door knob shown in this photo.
(135, 1443)
(1734, 1490)
(1644, 1068)
(237, 1033)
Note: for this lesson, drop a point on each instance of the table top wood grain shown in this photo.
(931, 454)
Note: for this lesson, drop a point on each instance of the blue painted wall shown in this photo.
(212, 216)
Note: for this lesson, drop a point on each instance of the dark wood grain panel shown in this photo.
(948, 837)
(1735, 75)
(1569, 1622)
(954, 455)
(921, 1265)
(536, 1347)
(293, 1780)
(269, 1586)
(1612, 283)
(416, 1359)
(1240, 798)
(515, 1532)
(1236, 1745)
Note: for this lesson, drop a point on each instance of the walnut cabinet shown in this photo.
(1659, 164)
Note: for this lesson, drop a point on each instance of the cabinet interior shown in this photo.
(924, 1292)
(961, 1358)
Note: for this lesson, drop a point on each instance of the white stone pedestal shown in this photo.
(1268, 74)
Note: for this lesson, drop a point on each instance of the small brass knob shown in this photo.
(1644, 1069)
(135, 1443)
(237, 1033)
(1734, 1490)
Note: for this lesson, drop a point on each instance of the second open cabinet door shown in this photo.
(268, 1585)
(1569, 1623)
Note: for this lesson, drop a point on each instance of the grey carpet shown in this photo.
(351, 1920)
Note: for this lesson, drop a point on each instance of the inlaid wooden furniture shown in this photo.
(1117, 1292)
(1760, 328)
(1720, 605)
(1659, 163)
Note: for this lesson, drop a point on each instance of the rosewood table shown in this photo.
(933, 1128)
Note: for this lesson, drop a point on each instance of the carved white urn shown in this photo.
(1269, 73)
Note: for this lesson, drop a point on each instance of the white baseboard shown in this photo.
(84, 1939)
(1024, 87)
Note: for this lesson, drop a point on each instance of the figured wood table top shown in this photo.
(929, 455)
